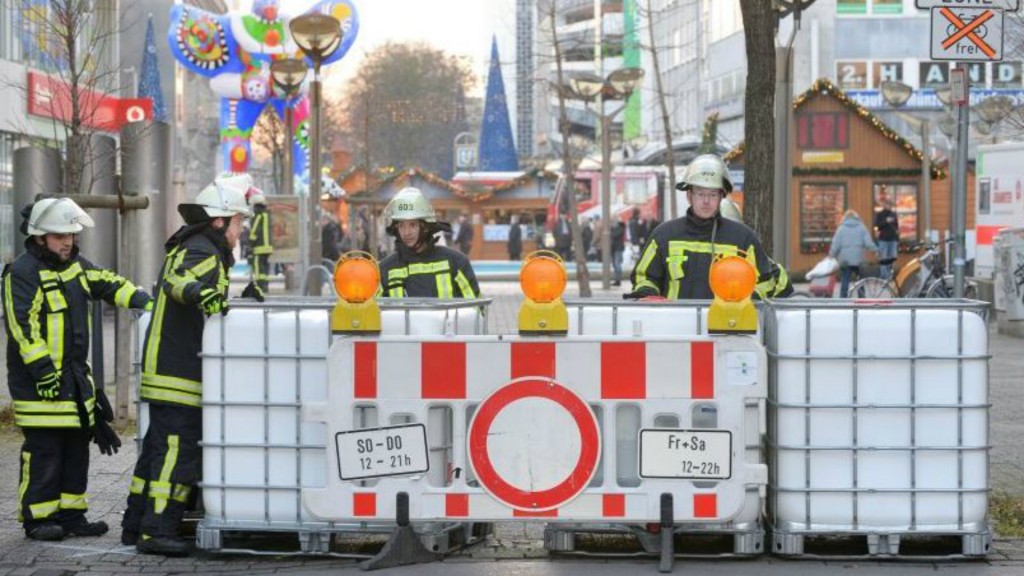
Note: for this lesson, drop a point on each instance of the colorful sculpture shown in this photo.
(235, 51)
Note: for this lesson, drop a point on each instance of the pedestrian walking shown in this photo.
(618, 240)
(848, 245)
(57, 405)
(887, 228)
(193, 286)
(515, 240)
(464, 238)
(677, 257)
(419, 267)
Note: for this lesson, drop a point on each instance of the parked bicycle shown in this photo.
(923, 277)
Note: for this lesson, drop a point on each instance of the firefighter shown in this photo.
(676, 260)
(193, 286)
(56, 403)
(259, 236)
(419, 267)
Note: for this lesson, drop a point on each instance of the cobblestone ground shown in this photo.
(110, 477)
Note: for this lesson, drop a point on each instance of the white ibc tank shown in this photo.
(260, 364)
(880, 417)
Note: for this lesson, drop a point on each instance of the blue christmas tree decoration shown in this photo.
(149, 78)
(497, 147)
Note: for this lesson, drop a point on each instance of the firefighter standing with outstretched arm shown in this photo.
(675, 262)
(419, 267)
(56, 403)
(259, 235)
(193, 286)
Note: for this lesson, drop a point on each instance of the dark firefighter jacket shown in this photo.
(198, 257)
(259, 233)
(676, 260)
(438, 272)
(47, 319)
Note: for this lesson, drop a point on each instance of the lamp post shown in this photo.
(318, 36)
(896, 95)
(288, 75)
(620, 84)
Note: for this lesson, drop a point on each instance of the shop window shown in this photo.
(823, 130)
(821, 210)
(855, 7)
(903, 197)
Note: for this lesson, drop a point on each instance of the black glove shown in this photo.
(213, 302)
(48, 387)
(253, 291)
(103, 409)
(105, 437)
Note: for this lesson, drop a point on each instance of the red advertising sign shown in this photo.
(50, 97)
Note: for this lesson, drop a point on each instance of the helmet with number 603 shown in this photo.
(408, 204)
(57, 216)
(706, 171)
(226, 196)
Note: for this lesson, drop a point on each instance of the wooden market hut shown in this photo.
(846, 157)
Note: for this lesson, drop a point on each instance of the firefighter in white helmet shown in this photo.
(675, 262)
(57, 404)
(193, 287)
(419, 267)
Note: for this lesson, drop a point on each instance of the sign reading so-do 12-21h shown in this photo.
(967, 30)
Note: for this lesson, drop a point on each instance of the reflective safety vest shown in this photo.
(171, 367)
(676, 260)
(439, 272)
(48, 325)
(259, 233)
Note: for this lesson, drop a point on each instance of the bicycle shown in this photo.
(922, 277)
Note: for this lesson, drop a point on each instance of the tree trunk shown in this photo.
(759, 129)
(666, 122)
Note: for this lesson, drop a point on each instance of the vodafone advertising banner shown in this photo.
(50, 97)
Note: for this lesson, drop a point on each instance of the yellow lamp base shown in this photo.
(356, 318)
(536, 318)
(732, 317)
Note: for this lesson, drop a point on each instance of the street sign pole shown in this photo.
(960, 94)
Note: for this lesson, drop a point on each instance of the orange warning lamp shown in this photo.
(733, 279)
(543, 279)
(356, 279)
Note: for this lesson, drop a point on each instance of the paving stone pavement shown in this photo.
(110, 476)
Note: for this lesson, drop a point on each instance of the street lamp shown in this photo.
(318, 36)
(620, 84)
(896, 95)
(288, 75)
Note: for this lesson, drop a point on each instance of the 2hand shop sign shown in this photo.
(967, 34)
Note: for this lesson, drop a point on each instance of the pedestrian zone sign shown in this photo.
(967, 34)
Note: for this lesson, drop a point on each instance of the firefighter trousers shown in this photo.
(261, 271)
(167, 471)
(53, 476)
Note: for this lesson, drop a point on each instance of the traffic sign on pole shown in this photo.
(967, 34)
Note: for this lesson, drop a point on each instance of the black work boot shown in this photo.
(129, 537)
(47, 531)
(86, 528)
(162, 545)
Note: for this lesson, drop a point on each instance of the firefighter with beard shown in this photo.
(193, 286)
(419, 267)
(56, 403)
(675, 262)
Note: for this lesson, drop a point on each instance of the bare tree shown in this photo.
(1013, 45)
(568, 179)
(269, 136)
(759, 23)
(666, 122)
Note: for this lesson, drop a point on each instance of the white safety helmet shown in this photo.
(730, 210)
(706, 171)
(408, 204)
(257, 198)
(225, 196)
(57, 216)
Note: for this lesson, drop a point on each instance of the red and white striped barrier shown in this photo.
(555, 429)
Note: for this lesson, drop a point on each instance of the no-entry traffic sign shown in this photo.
(967, 34)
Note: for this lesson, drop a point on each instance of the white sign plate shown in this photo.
(686, 454)
(1010, 5)
(967, 34)
(379, 452)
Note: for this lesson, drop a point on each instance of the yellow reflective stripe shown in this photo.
(444, 285)
(44, 509)
(199, 270)
(464, 286)
(43, 407)
(26, 460)
(42, 414)
(171, 396)
(73, 502)
(138, 486)
(55, 339)
(30, 349)
(173, 383)
(55, 300)
(123, 296)
(263, 250)
(398, 292)
(46, 421)
(71, 272)
(681, 247)
(645, 262)
(673, 289)
(181, 493)
(160, 490)
(428, 267)
(48, 275)
(396, 273)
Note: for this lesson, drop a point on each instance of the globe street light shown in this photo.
(896, 94)
(288, 75)
(318, 36)
(619, 85)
